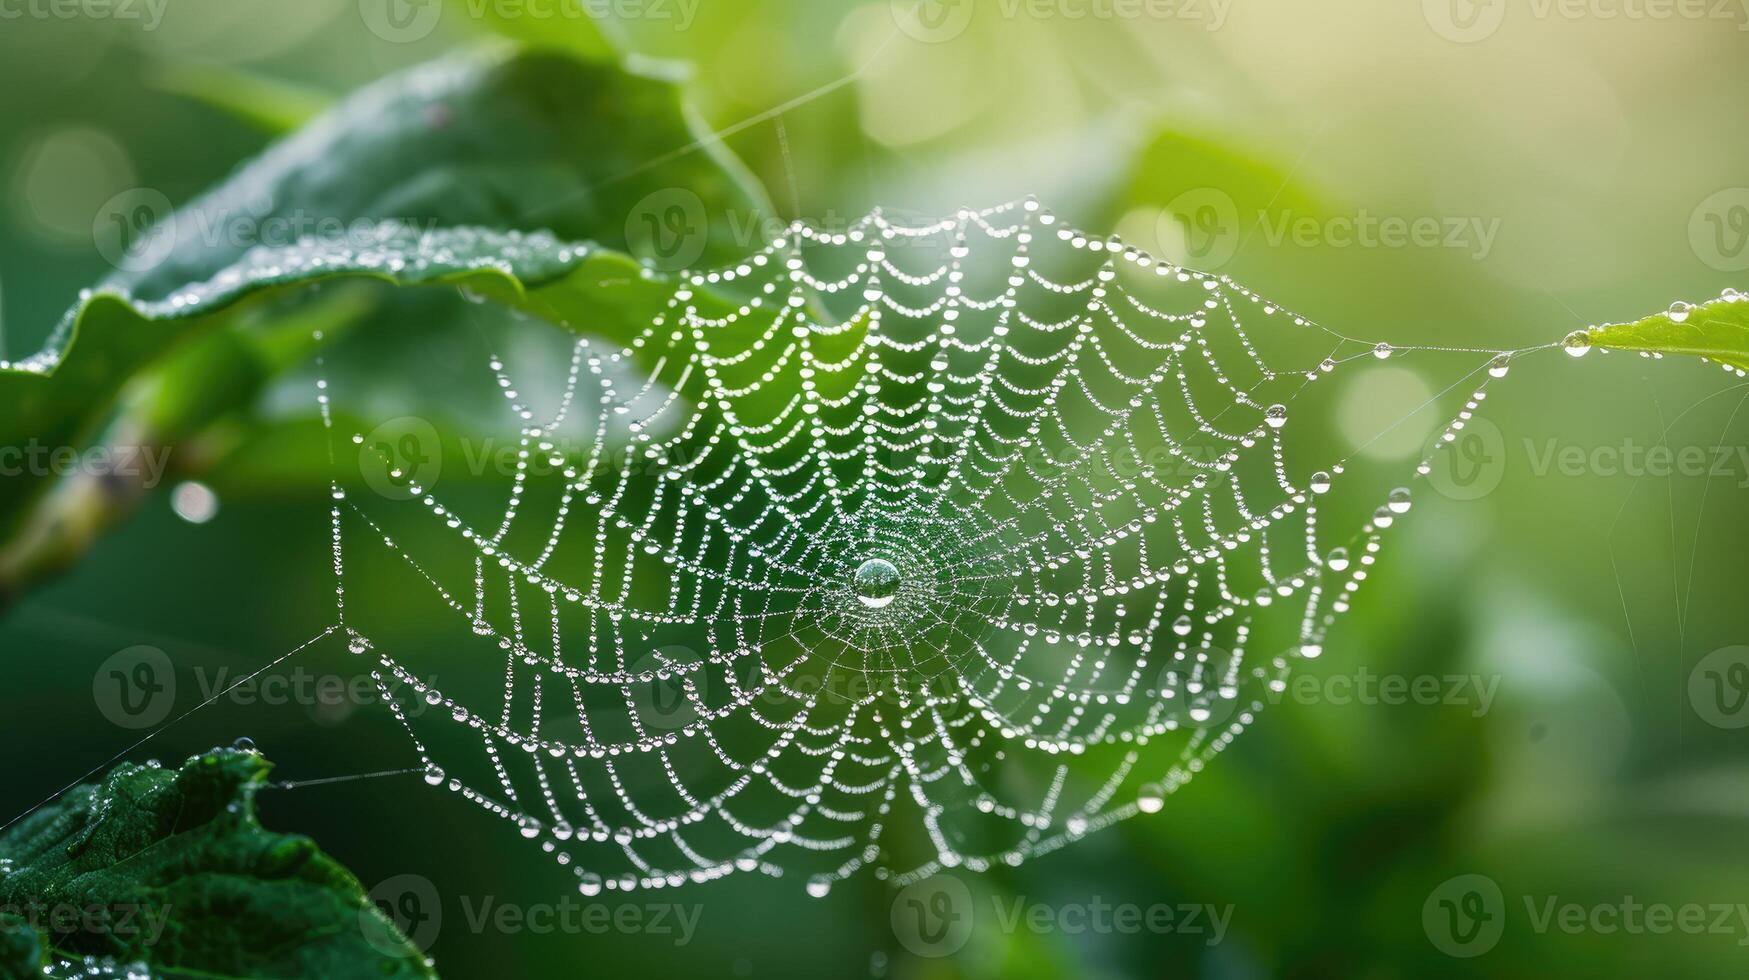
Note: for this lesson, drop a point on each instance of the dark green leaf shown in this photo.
(172, 869)
(387, 184)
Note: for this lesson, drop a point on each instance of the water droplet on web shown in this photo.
(1399, 501)
(1500, 365)
(1150, 798)
(1320, 482)
(1337, 560)
(357, 644)
(433, 773)
(1182, 625)
(1276, 416)
(589, 883)
(876, 582)
(1382, 350)
(1578, 343)
(244, 744)
(819, 885)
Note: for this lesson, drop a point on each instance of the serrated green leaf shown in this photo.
(171, 868)
(1717, 330)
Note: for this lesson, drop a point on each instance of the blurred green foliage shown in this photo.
(1596, 150)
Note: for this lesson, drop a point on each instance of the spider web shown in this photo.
(934, 546)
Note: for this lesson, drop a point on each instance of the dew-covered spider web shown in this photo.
(884, 550)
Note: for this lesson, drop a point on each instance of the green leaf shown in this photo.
(409, 169)
(572, 285)
(172, 869)
(1717, 330)
(508, 139)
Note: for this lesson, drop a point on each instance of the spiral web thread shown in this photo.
(1001, 554)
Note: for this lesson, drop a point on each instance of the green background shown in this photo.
(1591, 144)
